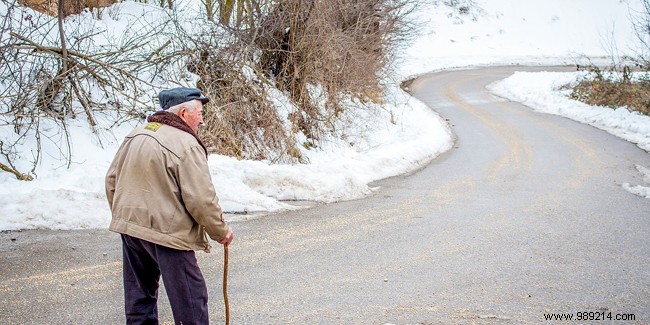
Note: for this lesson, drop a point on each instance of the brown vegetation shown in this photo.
(317, 53)
(615, 86)
(602, 89)
(341, 45)
(240, 120)
(70, 7)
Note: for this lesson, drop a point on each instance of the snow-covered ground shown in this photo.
(390, 140)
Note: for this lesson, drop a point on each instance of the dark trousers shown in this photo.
(144, 263)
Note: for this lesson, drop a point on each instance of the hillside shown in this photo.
(373, 140)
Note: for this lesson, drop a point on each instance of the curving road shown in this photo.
(524, 216)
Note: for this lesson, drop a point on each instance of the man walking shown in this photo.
(163, 203)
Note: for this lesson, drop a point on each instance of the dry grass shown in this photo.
(342, 46)
(606, 90)
(240, 120)
(50, 7)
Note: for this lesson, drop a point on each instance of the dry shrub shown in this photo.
(342, 46)
(241, 121)
(614, 86)
(606, 90)
(70, 7)
(317, 52)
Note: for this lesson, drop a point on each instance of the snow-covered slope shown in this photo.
(390, 140)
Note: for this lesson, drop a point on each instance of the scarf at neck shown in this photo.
(174, 120)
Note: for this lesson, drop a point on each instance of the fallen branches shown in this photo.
(20, 176)
(51, 79)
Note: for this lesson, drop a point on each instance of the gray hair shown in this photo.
(189, 105)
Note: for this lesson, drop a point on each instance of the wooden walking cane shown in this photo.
(225, 282)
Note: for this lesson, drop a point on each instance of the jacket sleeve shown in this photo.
(110, 182)
(198, 194)
(111, 175)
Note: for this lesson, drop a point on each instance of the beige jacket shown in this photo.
(159, 189)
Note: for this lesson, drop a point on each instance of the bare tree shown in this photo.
(641, 21)
(54, 73)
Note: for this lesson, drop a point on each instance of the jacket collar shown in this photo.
(174, 120)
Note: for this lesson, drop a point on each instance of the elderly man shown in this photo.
(163, 203)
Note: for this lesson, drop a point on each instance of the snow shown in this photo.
(397, 137)
(542, 92)
(640, 190)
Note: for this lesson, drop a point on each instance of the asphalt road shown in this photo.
(524, 216)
